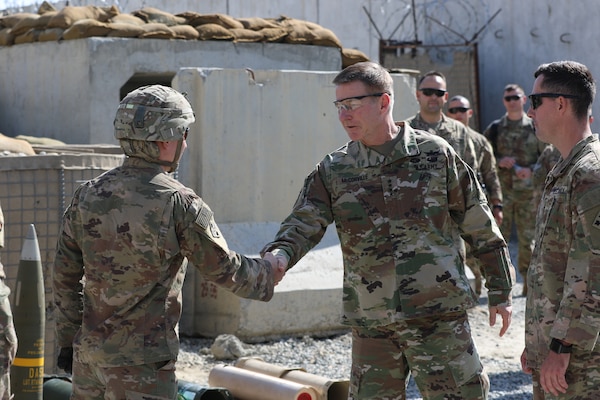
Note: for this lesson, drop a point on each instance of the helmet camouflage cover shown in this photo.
(153, 113)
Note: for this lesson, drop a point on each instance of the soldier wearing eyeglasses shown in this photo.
(400, 199)
(562, 317)
(517, 150)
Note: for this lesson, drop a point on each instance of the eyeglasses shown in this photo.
(429, 92)
(455, 110)
(536, 98)
(513, 97)
(352, 103)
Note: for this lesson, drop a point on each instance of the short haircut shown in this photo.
(573, 78)
(513, 87)
(373, 75)
(432, 73)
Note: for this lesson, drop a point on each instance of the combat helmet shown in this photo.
(153, 113)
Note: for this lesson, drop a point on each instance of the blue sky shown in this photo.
(4, 4)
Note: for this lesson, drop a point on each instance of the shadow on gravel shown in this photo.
(510, 385)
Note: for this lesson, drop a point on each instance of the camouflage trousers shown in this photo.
(583, 378)
(438, 351)
(135, 382)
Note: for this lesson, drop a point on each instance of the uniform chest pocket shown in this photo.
(556, 217)
(406, 196)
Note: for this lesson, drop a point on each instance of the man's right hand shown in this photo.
(65, 359)
(279, 264)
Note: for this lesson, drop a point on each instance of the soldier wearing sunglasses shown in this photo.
(432, 96)
(517, 150)
(562, 315)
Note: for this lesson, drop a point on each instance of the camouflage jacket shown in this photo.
(520, 142)
(564, 274)
(546, 161)
(121, 259)
(486, 161)
(398, 219)
(455, 133)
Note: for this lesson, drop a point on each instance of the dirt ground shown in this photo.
(504, 351)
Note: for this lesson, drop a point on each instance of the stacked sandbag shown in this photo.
(77, 22)
(352, 56)
(305, 32)
(22, 27)
(12, 146)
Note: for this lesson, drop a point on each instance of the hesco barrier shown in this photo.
(36, 190)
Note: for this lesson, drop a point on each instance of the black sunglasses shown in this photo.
(536, 98)
(513, 97)
(455, 110)
(428, 92)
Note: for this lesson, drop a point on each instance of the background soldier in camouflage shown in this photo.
(563, 307)
(122, 255)
(432, 96)
(399, 198)
(8, 344)
(547, 160)
(517, 150)
(459, 109)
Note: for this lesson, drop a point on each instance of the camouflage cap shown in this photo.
(153, 113)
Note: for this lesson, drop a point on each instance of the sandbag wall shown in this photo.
(77, 22)
(35, 190)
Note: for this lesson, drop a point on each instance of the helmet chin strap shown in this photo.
(172, 165)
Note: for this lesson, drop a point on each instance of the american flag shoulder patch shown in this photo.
(204, 217)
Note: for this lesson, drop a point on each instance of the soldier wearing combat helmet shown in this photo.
(153, 114)
(124, 246)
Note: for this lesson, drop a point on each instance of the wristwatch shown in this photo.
(559, 348)
(498, 206)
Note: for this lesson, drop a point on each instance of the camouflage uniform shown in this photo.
(453, 132)
(488, 177)
(564, 275)
(487, 168)
(470, 147)
(398, 218)
(547, 160)
(7, 328)
(121, 259)
(517, 139)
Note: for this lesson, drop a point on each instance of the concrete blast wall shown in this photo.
(69, 90)
(257, 135)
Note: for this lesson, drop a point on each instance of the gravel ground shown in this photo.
(330, 357)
